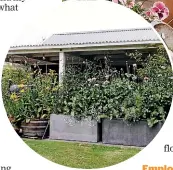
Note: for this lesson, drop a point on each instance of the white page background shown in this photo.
(41, 18)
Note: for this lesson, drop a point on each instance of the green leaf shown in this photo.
(39, 109)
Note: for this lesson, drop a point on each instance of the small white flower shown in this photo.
(105, 82)
(93, 79)
(159, 75)
(89, 80)
(163, 67)
(134, 65)
(107, 76)
(96, 85)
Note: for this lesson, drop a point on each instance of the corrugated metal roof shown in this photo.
(103, 37)
(100, 38)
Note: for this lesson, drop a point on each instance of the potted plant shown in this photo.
(146, 105)
(29, 109)
(11, 100)
(37, 103)
(122, 104)
(72, 119)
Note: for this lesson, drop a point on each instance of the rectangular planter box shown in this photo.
(67, 128)
(120, 133)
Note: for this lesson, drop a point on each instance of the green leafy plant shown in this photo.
(38, 100)
(36, 97)
(18, 75)
(95, 90)
(104, 92)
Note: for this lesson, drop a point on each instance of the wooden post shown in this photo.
(61, 66)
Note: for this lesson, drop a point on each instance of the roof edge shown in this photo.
(102, 31)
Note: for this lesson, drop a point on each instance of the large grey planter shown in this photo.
(67, 128)
(120, 133)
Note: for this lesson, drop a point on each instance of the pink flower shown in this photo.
(115, 1)
(160, 10)
(148, 13)
(128, 3)
(151, 15)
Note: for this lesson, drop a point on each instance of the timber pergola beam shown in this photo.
(60, 54)
(32, 61)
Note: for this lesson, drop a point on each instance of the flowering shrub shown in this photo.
(104, 92)
(11, 102)
(156, 91)
(157, 12)
(97, 90)
(35, 100)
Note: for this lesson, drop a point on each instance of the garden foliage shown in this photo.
(108, 93)
(18, 75)
(96, 90)
(35, 99)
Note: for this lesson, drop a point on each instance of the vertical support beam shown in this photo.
(62, 60)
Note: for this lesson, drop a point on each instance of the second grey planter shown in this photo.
(120, 133)
(66, 127)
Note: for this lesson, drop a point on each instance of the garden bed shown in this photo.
(98, 91)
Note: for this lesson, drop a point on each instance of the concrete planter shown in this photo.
(120, 133)
(67, 128)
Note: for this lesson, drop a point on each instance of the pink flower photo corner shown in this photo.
(158, 11)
